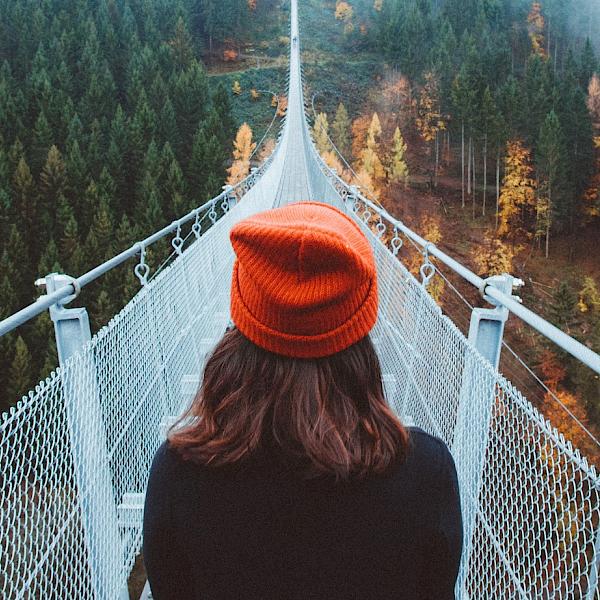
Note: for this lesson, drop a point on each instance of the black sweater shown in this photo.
(258, 532)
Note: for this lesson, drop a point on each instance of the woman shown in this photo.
(290, 477)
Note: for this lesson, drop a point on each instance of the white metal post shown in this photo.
(475, 407)
(88, 446)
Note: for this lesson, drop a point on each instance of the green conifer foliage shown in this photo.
(21, 376)
(340, 131)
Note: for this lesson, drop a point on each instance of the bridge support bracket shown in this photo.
(88, 443)
(487, 324)
(475, 409)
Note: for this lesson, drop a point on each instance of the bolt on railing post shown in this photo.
(88, 445)
(476, 403)
(229, 196)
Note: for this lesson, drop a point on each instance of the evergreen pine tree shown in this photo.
(53, 180)
(398, 169)
(222, 105)
(340, 131)
(562, 309)
(26, 207)
(49, 262)
(102, 311)
(588, 63)
(550, 164)
(42, 140)
(20, 378)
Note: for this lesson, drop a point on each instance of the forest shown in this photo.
(477, 122)
(109, 129)
(481, 129)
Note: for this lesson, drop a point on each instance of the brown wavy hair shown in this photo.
(326, 415)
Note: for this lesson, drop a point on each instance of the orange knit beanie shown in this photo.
(304, 281)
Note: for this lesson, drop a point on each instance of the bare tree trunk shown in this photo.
(469, 168)
(473, 167)
(484, 171)
(549, 212)
(462, 143)
(437, 159)
(497, 185)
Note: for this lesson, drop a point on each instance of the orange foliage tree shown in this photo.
(283, 102)
(243, 147)
(344, 12)
(535, 27)
(493, 257)
(429, 118)
(593, 99)
(266, 149)
(591, 197)
(360, 126)
(517, 195)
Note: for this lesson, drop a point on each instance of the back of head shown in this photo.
(298, 376)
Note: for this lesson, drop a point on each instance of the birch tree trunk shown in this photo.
(484, 171)
(469, 168)
(497, 185)
(462, 144)
(437, 159)
(548, 216)
(473, 179)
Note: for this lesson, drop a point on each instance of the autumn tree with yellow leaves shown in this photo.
(593, 99)
(397, 168)
(517, 195)
(371, 172)
(429, 228)
(429, 118)
(282, 103)
(266, 149)
(321, 133)
(344, 13)
(243, 147)
(591, 197)
(493, 257)
(535, 28)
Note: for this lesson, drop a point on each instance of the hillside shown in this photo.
(444, 78)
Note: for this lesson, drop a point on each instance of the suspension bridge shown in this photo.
(75, 452)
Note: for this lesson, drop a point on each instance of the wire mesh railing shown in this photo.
(75, 453)
(531, 501)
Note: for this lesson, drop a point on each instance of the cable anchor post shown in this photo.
(396, 241)
(427, 269)
(197, 226)
(142, 270)
(177, 241)
(229, 196)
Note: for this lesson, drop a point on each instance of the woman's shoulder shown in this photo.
(426, 444)
(167, 461)
(428, 453)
